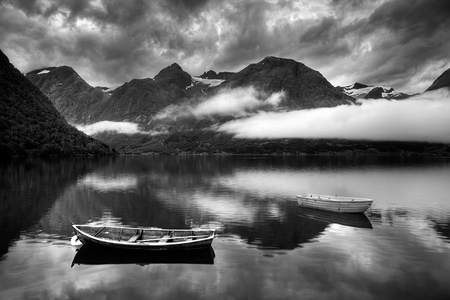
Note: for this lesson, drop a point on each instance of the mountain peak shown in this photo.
(67, 90)
(60, 73)
(358, 86)
(272, 61)
(440, 82)
(4, 60)
(303, 86)
(209, 75)
(174, 74)
(213, 75)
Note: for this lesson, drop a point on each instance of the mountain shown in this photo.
(363, 91)
(140, 99)
(73, 97)
(30, 124)
(166, 107)
(213, 75)
(441, 82)
(304, 87)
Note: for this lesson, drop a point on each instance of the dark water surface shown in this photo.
(268, 248)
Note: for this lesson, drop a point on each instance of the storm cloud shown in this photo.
(398, 43)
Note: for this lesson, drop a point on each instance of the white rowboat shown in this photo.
(152, 239)
(334, 203)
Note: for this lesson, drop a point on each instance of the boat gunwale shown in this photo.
(139, 244)
(334, 199)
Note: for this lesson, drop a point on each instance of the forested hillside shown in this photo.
(30, 125)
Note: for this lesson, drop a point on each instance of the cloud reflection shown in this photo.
(109, 183)
(227, 209)
(264, 183)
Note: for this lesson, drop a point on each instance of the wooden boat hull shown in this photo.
(334, 203)
(150, 239)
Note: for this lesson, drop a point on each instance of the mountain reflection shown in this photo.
(443, 229)
(254, 198)
(351, 220)
(29, 187)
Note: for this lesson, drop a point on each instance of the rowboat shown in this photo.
(153, 239)
(92, 255)
(334, 203)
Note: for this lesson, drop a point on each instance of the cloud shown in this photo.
(228, 102)
(420, 118)
(398, 43)
(117, 127)
(404, 38)
(236, 101)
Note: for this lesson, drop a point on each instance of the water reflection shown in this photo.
(91, 255)
(352, 220)
(399, 249)
(29, 188)
(246, 195)
(109, 182)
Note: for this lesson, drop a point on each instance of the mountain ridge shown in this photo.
(175, 94)
(443, 81)
(365, 91)
(70, 94)
(140, 99)
(30, 125)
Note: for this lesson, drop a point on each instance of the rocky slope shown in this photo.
(304, 87)
(30, 124)
(441, 82)
(140, 99)
(69, 93)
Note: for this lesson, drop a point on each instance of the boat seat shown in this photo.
(164, 239)
(135, 237)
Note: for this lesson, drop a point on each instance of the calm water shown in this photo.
(268, 248)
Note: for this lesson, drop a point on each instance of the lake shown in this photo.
(267, 246)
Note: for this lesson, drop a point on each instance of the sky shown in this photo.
(404, 44)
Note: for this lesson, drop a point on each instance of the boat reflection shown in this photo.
(91, 255)
(352, 220)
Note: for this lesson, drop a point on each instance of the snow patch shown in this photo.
(387, 93)
(210, 82)
(43, 72)
(109, 90)
(192, 84)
